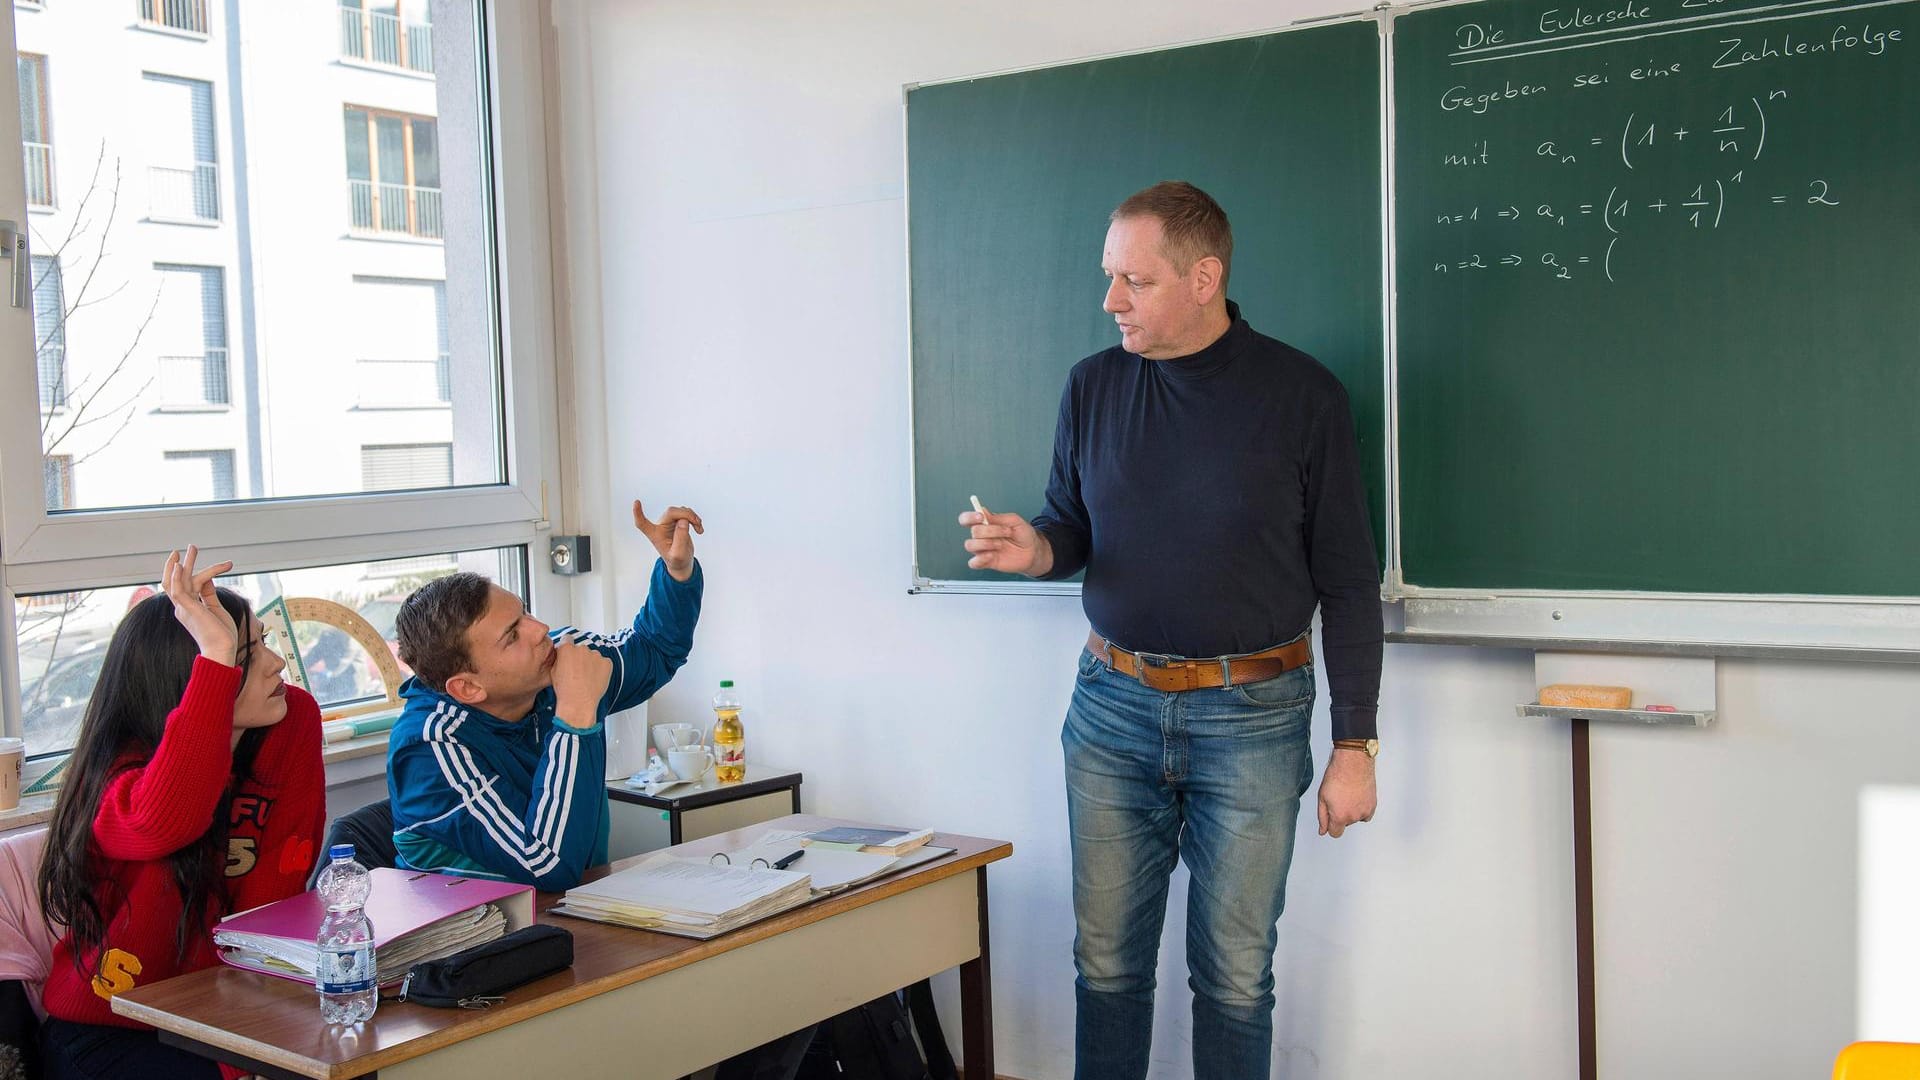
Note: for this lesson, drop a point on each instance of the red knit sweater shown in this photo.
(154, 809)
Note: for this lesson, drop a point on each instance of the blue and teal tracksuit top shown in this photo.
(526, 799)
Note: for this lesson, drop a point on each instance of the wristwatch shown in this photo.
(1369, 747)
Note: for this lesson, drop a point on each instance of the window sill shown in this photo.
(42, 208)
(384, 69)
(403, 406)
(172, 31)
(205, 408)
(33, 810)
(353, 750)
(196, 222)
(393, 237)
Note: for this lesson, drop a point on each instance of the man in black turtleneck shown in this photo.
(1206, 478)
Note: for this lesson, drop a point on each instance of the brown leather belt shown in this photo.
(1176, 673)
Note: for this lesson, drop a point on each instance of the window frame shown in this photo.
(43, 86)
(83, 549)
(403, 44)
(409, 165)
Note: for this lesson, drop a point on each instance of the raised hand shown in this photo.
(671, 536)
(1007, 543)
(197, 605)
(580, 676)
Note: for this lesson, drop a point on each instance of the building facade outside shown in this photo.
(238, 220)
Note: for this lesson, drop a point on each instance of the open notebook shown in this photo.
(700, 896)
(417, 915)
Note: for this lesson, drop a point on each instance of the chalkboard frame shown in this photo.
(1847, 628)
(1875, 628)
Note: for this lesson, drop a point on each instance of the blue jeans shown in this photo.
(1212, 776)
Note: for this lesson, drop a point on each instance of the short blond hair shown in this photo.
(1192, 224)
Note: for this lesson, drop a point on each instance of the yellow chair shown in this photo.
(1878, 1061)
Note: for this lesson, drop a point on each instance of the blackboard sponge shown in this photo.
(1587, 697)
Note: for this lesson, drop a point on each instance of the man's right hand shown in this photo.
(580, 676)
(1007, 543)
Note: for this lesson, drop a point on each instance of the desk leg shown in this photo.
(976, 1001)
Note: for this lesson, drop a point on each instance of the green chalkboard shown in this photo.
(1010, 180)
(1658, 268)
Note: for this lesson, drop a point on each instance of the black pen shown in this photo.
(788, 860)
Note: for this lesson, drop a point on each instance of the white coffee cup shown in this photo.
(690, 762)
(13, 754)
(668, 736)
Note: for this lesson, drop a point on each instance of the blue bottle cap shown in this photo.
(340, 851)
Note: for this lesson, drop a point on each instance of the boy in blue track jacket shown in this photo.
(497, 766)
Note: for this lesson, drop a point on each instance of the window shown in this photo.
(260, 459)
(401, 467)
(404, 359)
(36, 130)
(197, 476)
(397, 33)
(58, 470)
(188, 15)
(183, 171)
(393, 172)
(63, 636)
(49, 331)
(191, 330)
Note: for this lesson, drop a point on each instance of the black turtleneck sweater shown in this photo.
(1214, 500)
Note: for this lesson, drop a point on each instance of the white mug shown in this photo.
(690, 762)
(668, 736)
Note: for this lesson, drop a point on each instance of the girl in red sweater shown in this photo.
(195, 790)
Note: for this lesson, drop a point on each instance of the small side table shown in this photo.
(643, 822)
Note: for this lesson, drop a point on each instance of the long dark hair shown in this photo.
(142, 679)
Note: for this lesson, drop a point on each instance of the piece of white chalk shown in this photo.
(977, 508)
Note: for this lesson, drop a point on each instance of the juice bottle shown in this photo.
(729, 737)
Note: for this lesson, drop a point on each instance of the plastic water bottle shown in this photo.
(345, 976)
(729, 736)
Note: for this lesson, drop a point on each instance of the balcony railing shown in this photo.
(395, 208)
(184, 194)
(402, 384)
(39, 173)
(195, 382)
(380, 38)
(188, 15)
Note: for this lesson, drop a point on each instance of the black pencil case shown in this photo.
(476, 978)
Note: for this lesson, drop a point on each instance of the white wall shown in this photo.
(748, 250)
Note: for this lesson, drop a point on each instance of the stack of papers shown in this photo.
(299, 957)
(689, 897)
(700, 896)
(870, 840)
(834, 867)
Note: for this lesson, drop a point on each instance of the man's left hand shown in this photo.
(671, 536)
(1347, 792)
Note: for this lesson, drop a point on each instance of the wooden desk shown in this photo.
(635, 1003)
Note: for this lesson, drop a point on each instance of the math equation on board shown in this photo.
(1683, 126)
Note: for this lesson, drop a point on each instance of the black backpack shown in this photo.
(875, 1041)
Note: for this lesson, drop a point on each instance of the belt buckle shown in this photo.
(1147, 660)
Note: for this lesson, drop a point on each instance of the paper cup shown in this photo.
(13, 754)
